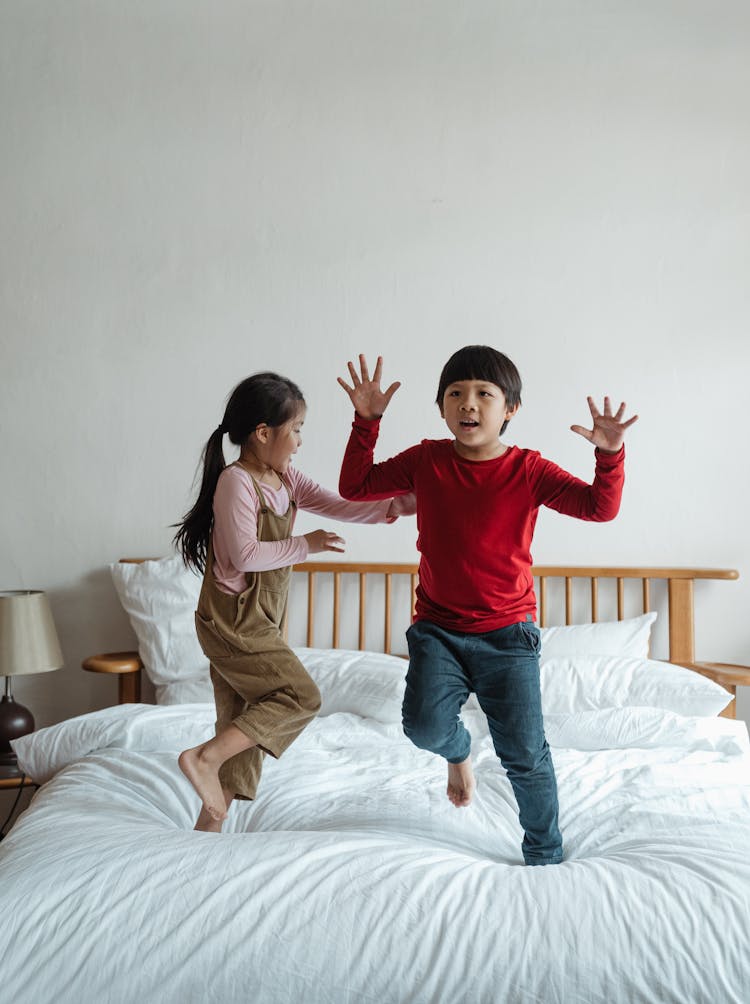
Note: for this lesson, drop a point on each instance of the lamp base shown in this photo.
(15, 721)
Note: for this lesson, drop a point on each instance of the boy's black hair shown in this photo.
(482, 362)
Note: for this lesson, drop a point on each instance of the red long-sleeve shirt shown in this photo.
(476, 519)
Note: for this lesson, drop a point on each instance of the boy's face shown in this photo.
(475, 411)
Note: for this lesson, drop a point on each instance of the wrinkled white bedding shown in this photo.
(352, 878)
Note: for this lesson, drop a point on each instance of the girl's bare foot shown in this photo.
(461, 783)
(204, 777)
(206, 823)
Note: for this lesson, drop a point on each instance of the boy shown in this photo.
(473, 629)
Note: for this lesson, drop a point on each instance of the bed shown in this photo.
(351, 878)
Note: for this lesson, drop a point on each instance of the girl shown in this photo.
(239, 535)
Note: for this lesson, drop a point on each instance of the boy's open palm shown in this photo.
(609, 430)
(368, 399)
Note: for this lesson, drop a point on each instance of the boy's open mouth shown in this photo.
(467, 423)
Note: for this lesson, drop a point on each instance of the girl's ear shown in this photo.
(262, 431)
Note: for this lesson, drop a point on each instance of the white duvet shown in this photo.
(352, 878)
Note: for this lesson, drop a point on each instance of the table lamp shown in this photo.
(28, 644)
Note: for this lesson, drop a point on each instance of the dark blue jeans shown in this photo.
(502, 668)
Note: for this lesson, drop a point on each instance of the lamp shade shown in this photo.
(28, 639)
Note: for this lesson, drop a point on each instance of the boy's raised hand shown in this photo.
(368, 399)
(609, 430)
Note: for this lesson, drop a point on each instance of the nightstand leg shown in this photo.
(129, 688)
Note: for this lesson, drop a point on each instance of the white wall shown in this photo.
(192, 191)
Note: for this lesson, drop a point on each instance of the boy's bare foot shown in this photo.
(204, 777)
(461, 783)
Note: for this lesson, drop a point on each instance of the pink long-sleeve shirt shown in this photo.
(235, 533)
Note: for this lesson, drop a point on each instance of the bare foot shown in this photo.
(206, 823)
(204, 777)
(461, 783)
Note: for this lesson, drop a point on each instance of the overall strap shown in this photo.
(265, 508)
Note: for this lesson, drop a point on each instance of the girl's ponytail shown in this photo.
(193, 533)
(264, 398)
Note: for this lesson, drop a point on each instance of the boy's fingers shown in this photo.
(392, 390)
(629, 422)
(347, 388)
(363, 367)
(582, 432)
(378, 370)
(353, 373)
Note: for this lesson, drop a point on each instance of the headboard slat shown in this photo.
(387, 614)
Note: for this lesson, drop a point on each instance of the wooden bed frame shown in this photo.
(565, 581)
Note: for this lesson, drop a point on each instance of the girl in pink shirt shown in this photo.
(239, 535)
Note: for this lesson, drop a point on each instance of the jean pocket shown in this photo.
(531, 636)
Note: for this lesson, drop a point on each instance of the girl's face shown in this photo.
(283, 442)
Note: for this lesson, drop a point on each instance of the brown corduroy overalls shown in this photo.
(259, 683)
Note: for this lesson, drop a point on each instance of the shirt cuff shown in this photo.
(304, 547)
(365, 423)
(610, 458)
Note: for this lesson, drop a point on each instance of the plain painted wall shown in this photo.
(193, 191)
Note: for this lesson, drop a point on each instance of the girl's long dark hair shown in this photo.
(263, 398)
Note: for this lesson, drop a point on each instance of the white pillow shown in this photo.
(43, 753)
(160, 598)
(628, 637)
(368, 684)
(585, 683)
(197, 690)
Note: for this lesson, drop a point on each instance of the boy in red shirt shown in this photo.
(473, 629)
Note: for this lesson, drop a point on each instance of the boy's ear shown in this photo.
(510, 412)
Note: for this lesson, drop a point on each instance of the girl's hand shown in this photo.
(368, 399)
(609, 430)
(403, 505)
(324, 540)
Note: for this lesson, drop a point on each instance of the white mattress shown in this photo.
(352, 878)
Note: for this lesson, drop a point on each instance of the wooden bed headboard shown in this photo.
(679, 581)
(568, 583)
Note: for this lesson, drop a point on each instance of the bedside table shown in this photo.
(728, 675)
(10, 778)
(126, 665)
